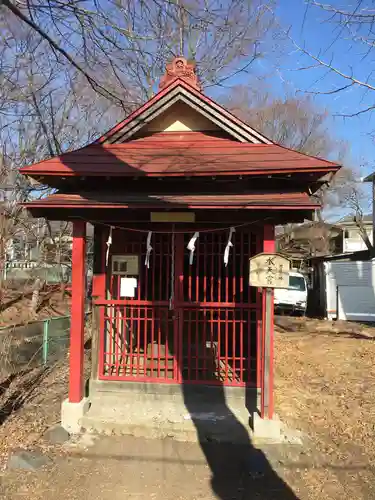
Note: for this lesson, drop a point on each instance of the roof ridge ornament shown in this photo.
(180, 68)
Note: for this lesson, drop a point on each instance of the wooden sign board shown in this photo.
(172, 217)
(269, 270)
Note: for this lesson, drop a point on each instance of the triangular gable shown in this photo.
(180, 91)
(181, 118)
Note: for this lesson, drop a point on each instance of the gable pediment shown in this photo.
(196, 110)
(179, 118)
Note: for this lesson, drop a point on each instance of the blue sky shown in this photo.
(312, 30)
(283, 65)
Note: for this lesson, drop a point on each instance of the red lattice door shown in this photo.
(219, 312)
(192, 322)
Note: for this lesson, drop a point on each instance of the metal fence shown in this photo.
(35, 344)
(55, 338)
(28, 271)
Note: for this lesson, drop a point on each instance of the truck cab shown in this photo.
(294, 298)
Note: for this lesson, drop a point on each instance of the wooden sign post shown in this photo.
(268, 271)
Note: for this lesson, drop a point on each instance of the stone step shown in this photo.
(187, 431)
(145, 392)
(96, 424)
(165, 417)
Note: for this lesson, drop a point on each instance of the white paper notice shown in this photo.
(127, 287)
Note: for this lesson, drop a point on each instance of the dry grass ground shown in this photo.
(30, 403)
(325, 386)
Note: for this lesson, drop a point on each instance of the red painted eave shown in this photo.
(285, 201)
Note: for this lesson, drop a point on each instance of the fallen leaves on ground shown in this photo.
(325, 386)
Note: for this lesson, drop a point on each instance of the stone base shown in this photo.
(264, 428)
(72, 413)
(167, 417)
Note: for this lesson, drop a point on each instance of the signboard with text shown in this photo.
(269, 270)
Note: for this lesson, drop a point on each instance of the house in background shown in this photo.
(344, 284)
(317, 238)
(352, 240)
(337, 264)
(343, 287)
(37, 241)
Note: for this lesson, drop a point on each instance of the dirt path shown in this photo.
(119, 468)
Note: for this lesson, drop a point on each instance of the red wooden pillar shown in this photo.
(178, 298)
(98, 279)
(98, 292)
(76, 381)
(259, 313)
(268, 247)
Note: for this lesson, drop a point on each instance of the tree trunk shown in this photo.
(35, 296)
(366, 239)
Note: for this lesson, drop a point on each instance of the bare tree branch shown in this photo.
(354, 204)
(332, 68)
(95, 85)
(359, 24)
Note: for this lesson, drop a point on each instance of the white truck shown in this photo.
(294, 298)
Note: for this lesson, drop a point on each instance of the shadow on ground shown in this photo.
(238, 470)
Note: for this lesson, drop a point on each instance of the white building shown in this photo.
(352, 239)
(344, 285)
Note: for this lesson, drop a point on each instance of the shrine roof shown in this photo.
(135, 148)
(179, 154)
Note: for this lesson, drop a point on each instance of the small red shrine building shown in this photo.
(181, 194)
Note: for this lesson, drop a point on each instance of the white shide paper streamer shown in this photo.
(229, 246)
(109, 243)
(191, 247)
(149, 250)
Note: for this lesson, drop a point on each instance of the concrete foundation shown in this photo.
(265, 429)
(159, 419)
(182, 412)
(72, 414)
